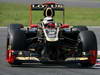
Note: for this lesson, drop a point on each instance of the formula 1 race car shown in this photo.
(50, 41)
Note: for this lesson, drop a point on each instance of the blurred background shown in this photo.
(77, 12)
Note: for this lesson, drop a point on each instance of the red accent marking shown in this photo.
(10, 59)
(47, 3)
(51, 25)
(33, 25)
(65, 26)
(97, 63)
(93, 57)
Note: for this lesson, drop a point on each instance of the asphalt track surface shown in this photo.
(69, 3)
(39, 69)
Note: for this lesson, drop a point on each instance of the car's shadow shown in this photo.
(53, 65)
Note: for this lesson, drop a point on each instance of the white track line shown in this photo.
(98, 52)
(93, 26)
(3, 27)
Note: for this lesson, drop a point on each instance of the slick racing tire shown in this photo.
(88, 44)
(15, 26)
(16, 37)
(15, 41)
(80, 28)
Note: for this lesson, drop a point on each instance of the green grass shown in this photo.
(18, 13)
(12, 13)
(83, 16)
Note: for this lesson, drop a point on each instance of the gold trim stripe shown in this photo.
(78, 58)
(27, 58)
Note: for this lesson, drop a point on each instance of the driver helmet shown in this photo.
(47, 20)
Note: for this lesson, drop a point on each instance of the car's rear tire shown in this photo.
(15, 41)
(89, 45)
(80, 28)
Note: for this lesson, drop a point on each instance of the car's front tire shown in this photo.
(15, 41)
(88, 43)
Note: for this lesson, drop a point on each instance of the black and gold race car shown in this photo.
(50, 41)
